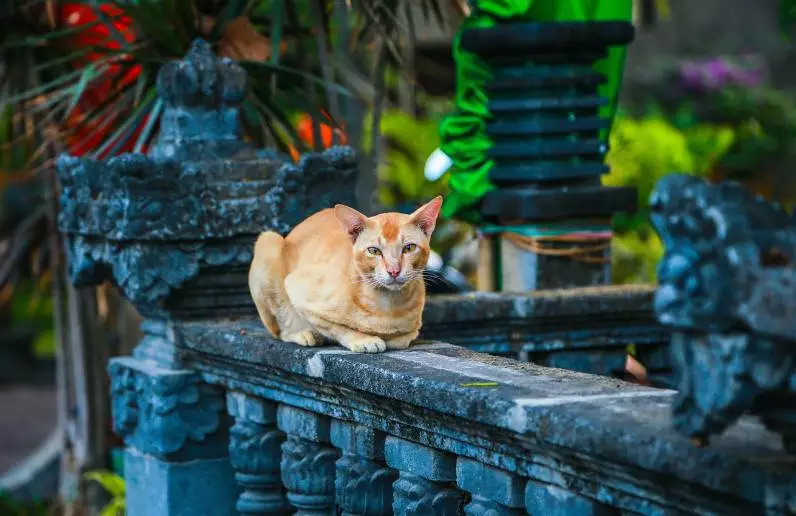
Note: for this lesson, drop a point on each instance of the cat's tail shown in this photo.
(266, 278)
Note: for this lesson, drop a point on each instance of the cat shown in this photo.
(344, 277)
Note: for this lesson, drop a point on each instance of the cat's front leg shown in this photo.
(402, 341)
(303, 338)
(361, 343)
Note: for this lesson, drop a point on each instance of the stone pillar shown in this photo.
(255, 451)
(174, 231)
(308, 462)
(549, 217)
(176, 460)
(364, 483)
(426, 483)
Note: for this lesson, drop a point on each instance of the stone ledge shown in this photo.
(606, 439)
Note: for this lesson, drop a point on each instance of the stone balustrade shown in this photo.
(435, 429)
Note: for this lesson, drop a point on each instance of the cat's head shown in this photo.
(390, 249)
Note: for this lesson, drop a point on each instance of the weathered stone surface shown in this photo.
(420, 460)
(600, 438)
(165, 412)
(490, 483)
(553, 501)
(581, 329)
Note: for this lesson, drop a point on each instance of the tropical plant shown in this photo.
(114, 486)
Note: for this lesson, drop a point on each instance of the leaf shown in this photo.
(479, 384)
(288, 71)
(79, 89)
(154, 117)
(233, 9)
(110, 481)
(242, 42)
(116, 507)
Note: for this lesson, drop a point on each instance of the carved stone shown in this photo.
(164, 412)
(308, 462)
(363, 484)
(728, 286)
(426, 485)
(255, 453)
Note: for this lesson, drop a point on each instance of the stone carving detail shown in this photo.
(308, 473)
(308, 462)
(728, 285)
(255, 453)
(163, 412)
(416, 496)
(426, 481)
(363, 486)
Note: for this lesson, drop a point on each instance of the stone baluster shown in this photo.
(364, 483)
(426, 485)
(494, 492)
(255, 452)
(308, 462)
(176, 436)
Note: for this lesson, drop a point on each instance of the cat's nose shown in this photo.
(393, 272)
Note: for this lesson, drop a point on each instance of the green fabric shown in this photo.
(463, 132)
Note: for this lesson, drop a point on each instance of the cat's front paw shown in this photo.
(366, 345)
(302, 338)
(402, 343)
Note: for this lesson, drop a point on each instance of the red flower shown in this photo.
(117, 72)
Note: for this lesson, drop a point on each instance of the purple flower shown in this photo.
(715, 74)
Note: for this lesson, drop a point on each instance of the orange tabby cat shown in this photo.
(342, 276)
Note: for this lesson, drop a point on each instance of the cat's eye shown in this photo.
(408, 248)
(374, 251)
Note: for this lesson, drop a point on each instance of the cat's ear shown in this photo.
(353, 222)
(425, 217)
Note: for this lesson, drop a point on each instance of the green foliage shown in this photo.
(114, 485)
(765, 123)
(642, 152)
(409, 142)
(645, 150)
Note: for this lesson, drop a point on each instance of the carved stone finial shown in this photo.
(201, 79)
(202, 94)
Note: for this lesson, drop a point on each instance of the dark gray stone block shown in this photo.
(158, 488)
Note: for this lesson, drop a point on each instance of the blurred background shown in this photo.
(709, 88)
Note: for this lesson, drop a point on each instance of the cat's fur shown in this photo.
(326, 280)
